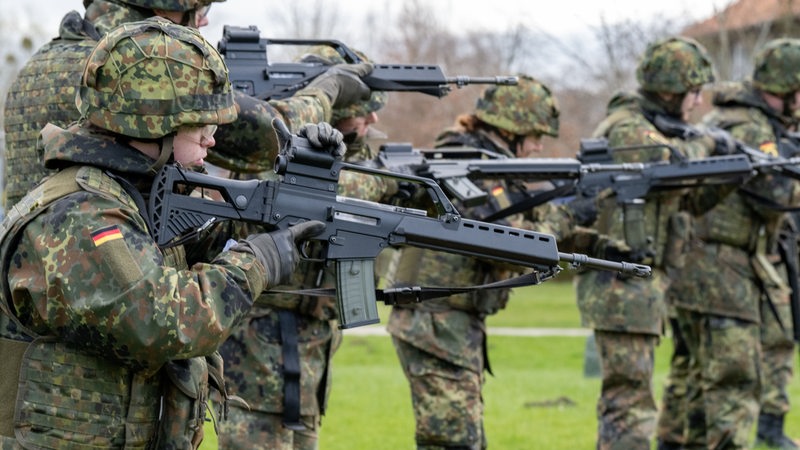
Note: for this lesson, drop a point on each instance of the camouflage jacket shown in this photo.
(611, 302)
(44, 92)
(727, 269)
(109, 291)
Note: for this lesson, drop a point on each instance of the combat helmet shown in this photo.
(777, 67)
(171, 5)
(522, 109)
(674, 65)
(325, 54)
(146, 79)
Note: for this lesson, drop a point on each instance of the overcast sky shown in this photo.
(557, 17)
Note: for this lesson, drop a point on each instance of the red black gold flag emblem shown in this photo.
(106, 234)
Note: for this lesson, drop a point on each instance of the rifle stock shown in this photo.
(245, 53)
(356, 230)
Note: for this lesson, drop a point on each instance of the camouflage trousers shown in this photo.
(626, 409)
(724, 380)
(447, 401)
(244, 430)
(672, 416)
(778, 350)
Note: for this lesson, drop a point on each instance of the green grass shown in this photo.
(538, 397)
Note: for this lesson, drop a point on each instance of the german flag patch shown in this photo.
(106, 234)
(769, 148)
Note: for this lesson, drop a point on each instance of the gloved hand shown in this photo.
(342, 84)
(324, 136)
(583, 210)
(277, 250)
(724, 143)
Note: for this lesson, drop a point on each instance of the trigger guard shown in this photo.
(304, 249)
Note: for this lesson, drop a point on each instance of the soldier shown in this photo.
(777, 337)
(441, 343)
(285, 405)
(247, 145)
(728, 286)
(110, 335)
(627, 314)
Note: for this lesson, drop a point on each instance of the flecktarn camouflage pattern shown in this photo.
(675, 65)
(117, 91)
(526, 108)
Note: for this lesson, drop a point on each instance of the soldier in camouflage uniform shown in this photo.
(777, 339)
(44, 92)
(113, 339)
(441, 343)
(727, 286)
(627, 314)
(279, 359)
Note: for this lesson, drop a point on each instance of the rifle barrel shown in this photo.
(462, 80)
(626, 268)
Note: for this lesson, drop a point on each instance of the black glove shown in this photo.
(724, 143)
(277, 250)
(324, 137)
(342, 84)
(583, 210)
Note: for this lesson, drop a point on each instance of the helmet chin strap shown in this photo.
(188, 18)
(165, 151)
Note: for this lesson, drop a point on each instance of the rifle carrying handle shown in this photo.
(355, 293)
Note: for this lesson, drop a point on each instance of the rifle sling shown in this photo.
(416, 294)
(530, 202)
(768, 202)
(788, 252)
(291, 371)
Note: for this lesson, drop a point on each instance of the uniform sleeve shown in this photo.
(87, 271)
(249, 144)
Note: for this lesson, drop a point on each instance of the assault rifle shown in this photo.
(629, 181)
(357, 230)
(245, 53)
(455, 173)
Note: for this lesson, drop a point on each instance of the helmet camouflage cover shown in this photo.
(777, 67)
(674, 65)
(145, 79)
(170, 5)
(525, 108)
(329, 55)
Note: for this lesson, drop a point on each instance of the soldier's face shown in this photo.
(191, 144)
(691, 100)
(530, 147)
(358, 125)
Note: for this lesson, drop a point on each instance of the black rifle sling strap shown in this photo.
(531, 202)
(788, 249)
(291, 370)
(415, 294)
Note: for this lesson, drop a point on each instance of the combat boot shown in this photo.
(770, 433)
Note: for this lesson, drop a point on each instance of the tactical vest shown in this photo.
(642, 225)
(44, 91)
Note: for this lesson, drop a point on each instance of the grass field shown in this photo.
(538, 398)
